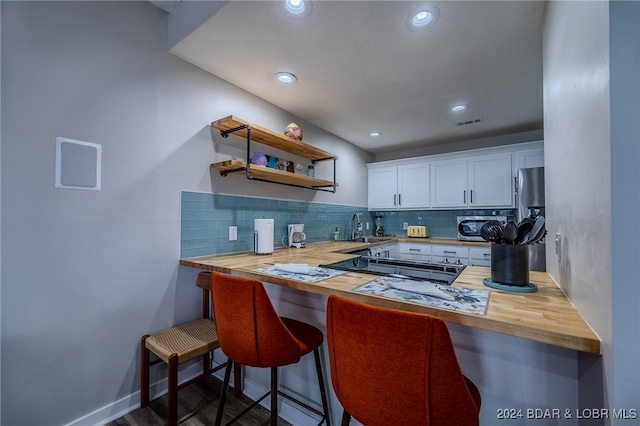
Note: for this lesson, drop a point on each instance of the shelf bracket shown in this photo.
(225, 133)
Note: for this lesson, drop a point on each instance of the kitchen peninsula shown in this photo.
(545, 316)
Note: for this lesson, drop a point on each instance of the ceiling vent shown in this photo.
(466, 123)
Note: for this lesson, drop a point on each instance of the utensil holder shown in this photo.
(510, 264)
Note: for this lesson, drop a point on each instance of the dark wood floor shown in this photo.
(197, 406)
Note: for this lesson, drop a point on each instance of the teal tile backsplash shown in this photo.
(205, 221)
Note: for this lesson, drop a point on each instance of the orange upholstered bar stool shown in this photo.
(251, 333)
(420, 385)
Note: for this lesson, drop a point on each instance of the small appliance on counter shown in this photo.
(296, 236)
(379, 230)
(418, 231)
(469, 226)
(263, 236)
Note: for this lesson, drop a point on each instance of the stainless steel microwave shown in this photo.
(469, 226)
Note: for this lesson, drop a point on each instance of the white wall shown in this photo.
(86, 274)
(624, 18)
(592, 184)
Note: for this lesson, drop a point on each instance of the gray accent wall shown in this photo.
(85, 273)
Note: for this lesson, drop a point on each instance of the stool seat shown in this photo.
(186, 341)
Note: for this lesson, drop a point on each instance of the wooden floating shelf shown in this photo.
(272, 175)
(272, 139)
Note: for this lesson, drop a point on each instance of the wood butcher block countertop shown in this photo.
(545, 316)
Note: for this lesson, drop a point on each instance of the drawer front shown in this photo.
(480, 256)
(458, 252)
(413, 251)
(450, 254)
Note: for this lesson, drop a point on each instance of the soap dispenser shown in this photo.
(336, 234)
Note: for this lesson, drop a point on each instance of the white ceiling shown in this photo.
(360, 68)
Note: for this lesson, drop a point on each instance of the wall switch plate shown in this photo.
(233, 233)
(405, 225)
(366, 226)
(558, 242)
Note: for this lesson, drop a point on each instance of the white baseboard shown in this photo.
(288, 410)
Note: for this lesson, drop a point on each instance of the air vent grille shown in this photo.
(466, 123)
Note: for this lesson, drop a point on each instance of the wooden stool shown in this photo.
(175, 346)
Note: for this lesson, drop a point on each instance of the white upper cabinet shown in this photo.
(449, 183)
(491, 181)
(383, 188)
(399, 187)
(530, 158)
(482, 178)
(413, 186)
(481, 181)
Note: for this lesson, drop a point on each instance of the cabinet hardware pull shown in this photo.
(414, 249)
(394, 199)
(471, 196)
(449, 251)
(399, 199)
(464, 197)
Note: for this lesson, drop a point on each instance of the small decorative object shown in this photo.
(299, 169)
(273, 162)
(259, 158)
(293, 131)
(282, 164)
(290, 167)
(311, 171)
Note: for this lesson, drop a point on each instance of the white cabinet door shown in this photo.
(413, 186)
(530, 158)
(449, 183)
(383, 186)
(491, 181)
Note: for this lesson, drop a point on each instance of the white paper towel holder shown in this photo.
(255, 244)
(260, 246)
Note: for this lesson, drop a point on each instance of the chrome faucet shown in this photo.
(356, 226)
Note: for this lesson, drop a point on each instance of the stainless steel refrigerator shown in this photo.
(530, 203)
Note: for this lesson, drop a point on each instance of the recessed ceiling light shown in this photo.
(375, 134)
(295, 7)
(286, 77)
(424, 17)
(459, 108)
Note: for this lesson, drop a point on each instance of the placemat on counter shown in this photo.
(467, 301)
(316, 273)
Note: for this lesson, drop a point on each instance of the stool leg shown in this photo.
(237, 380)
(274, 396)
(323, 393)
(223, 391)
(172, 415)
(144, 372)
(346, 418)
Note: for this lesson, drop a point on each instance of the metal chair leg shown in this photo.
(274, 396)
(223, 391)
(323, 393)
